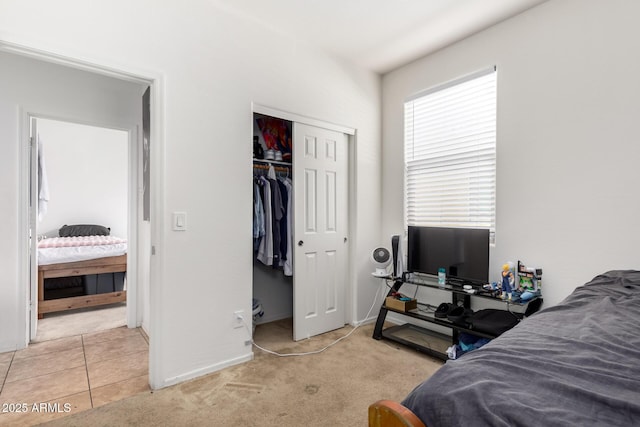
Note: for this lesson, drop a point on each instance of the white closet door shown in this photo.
(320, 236)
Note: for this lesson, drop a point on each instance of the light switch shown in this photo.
(179, 221)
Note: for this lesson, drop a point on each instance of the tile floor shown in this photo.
(55, 378)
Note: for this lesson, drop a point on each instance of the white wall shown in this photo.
(568, 136)
(214, 65)
(29, 86)
(87, 171)
(274, 290)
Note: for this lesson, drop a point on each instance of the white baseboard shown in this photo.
(206, 370)
(365, 321)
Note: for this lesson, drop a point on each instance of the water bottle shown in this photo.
(442, 277)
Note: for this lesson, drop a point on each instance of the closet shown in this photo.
(272, 286)
(300, 225)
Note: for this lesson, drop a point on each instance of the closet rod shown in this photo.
(272, 162)
(276, 168)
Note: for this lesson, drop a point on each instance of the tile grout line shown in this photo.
(125, 351)
(39, 375)
(6, 375)
(82, 344)
(123, 381)
(48, 341)
(86, 367)
(120, 356)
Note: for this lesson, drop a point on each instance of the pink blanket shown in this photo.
(63, 242)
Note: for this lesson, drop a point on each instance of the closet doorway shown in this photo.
(313, 288)
(80, 175)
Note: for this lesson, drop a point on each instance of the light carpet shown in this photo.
(333, 388)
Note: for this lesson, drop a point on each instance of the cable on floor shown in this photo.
(375, 298)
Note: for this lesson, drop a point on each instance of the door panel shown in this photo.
(332, 304)
(320, 273)
(330, 203)
(309, 287)
(310, 197)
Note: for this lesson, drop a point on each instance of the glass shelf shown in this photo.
(432, 282)
(429, 316)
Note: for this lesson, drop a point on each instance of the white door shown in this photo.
(320, 230)
(33, 236)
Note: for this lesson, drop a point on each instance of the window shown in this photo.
(450, 154)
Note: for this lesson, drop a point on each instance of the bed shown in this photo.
(576, 363)
(74, 268)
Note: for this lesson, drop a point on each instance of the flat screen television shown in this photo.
(462, 252)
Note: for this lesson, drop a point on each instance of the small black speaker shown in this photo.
(395, 249)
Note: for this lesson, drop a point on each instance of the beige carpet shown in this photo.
(81, 321)
(333, 388)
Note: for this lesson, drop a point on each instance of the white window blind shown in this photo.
(450, 154)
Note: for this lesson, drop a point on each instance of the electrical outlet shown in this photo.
(238, 317)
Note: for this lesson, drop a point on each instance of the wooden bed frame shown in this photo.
(113, 264)
(387, 413)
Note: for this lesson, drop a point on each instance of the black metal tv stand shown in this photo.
(425, 340)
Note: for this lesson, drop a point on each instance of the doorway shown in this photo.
(43, 84)
(81, 175)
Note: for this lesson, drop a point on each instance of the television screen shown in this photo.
(462, 252)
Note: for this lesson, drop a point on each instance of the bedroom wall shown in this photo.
(568, 136)
(214, 65)
(87, 171)
(50, 90)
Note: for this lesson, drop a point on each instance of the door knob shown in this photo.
(300, 243)
(345, 240)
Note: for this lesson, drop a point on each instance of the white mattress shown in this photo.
(69, 249)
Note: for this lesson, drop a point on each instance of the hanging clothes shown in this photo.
(288, 263)
(273, 219)
(283, 221)
(265, 248)
(277, 214)
(258, 216)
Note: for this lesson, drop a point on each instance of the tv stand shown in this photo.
(459, 284)
(425, 340)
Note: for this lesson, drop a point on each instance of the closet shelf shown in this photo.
(273, 162)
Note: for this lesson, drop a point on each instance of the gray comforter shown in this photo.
(574, 364)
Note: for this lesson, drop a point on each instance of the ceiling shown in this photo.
(379, 35)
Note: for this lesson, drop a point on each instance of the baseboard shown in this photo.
(206, 370)
(365, 321)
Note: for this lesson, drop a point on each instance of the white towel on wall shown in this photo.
(43, 184)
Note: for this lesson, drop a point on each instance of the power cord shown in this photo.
(375, 298)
